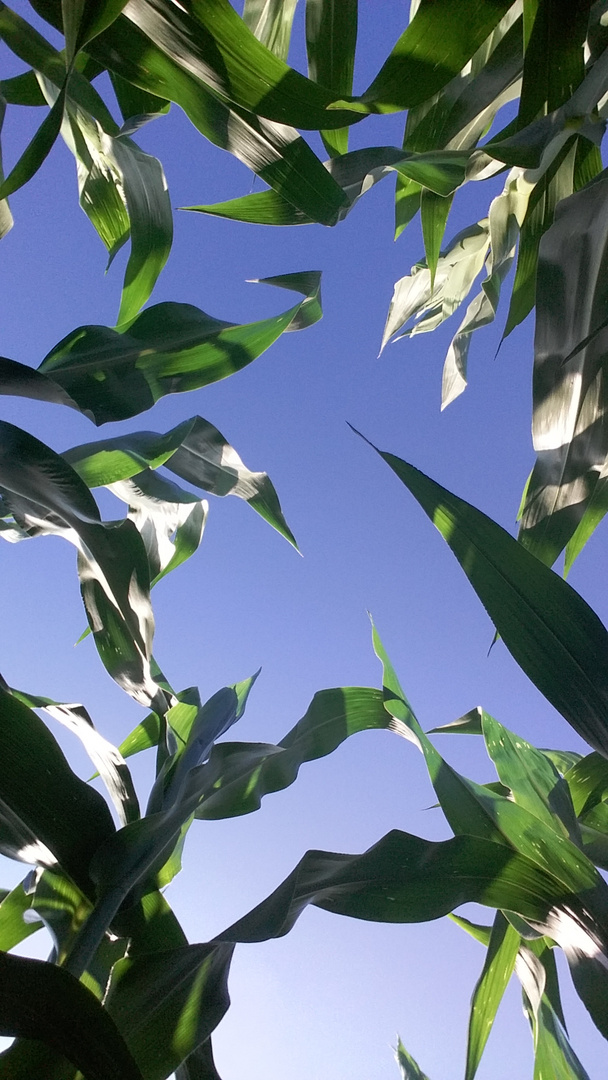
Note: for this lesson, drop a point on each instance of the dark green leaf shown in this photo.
(554, 63)
(170, 348)
(403, 878)
(167, 1003)
(588, 782)
(555, 184)
(199, 1065)
(434, 211)
(439, 171)
(85, 19)
(552, 633)
(275, 152)
(136, 103)
(48, 815)
(238, 775)
(37, 150)
(109, 762)
(41, 1001)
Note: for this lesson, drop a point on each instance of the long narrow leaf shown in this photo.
(552, 633)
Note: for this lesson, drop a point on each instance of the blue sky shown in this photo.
(328, 1000)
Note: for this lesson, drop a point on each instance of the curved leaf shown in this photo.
(489, 990)
(270, 21)
(169, 349)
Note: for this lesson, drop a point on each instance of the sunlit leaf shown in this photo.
(167, 1003)
(410, 1070)
(270, 21)
(13, 926)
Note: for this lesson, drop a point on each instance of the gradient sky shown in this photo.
(328, 1000)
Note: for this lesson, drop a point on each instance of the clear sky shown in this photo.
(327, 1000)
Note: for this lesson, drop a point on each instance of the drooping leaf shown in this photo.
(199, 1065)
(6, 218)
(490, 988)
(48, 815)
(505, 216)
(41, 1001)
(552, 633)
(195, 451)
(434, 211)
(170, 348)
(570, 434)
(37, 149)
(553, 1054)
(167, 1003)
(273, 151)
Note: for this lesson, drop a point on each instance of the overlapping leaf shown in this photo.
(45, 495)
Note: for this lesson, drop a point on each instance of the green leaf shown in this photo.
(48, 814)
(488, 993)
(239, 775)
(273, 151)
(270, 21)
(124, 193)
(400, 879)
(85, 19)
(106, 758)
(195, 451)
(211, 41)
(6, 218)
(441, 38)
(554, 63)
(468, 724)
(534, 782)
(166, 1004)
(552, 633)
(440, 171)
(41, 1001)
(434, 211)
(569, 396)
(13, 927)
(170, 348)
(199, 1065)
(588, 782)
(37, 150)
(46, 496)
(331, 39)
(135, 103)
(555, 184)
(475, 930)
(482, 811)
(410, 1070)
